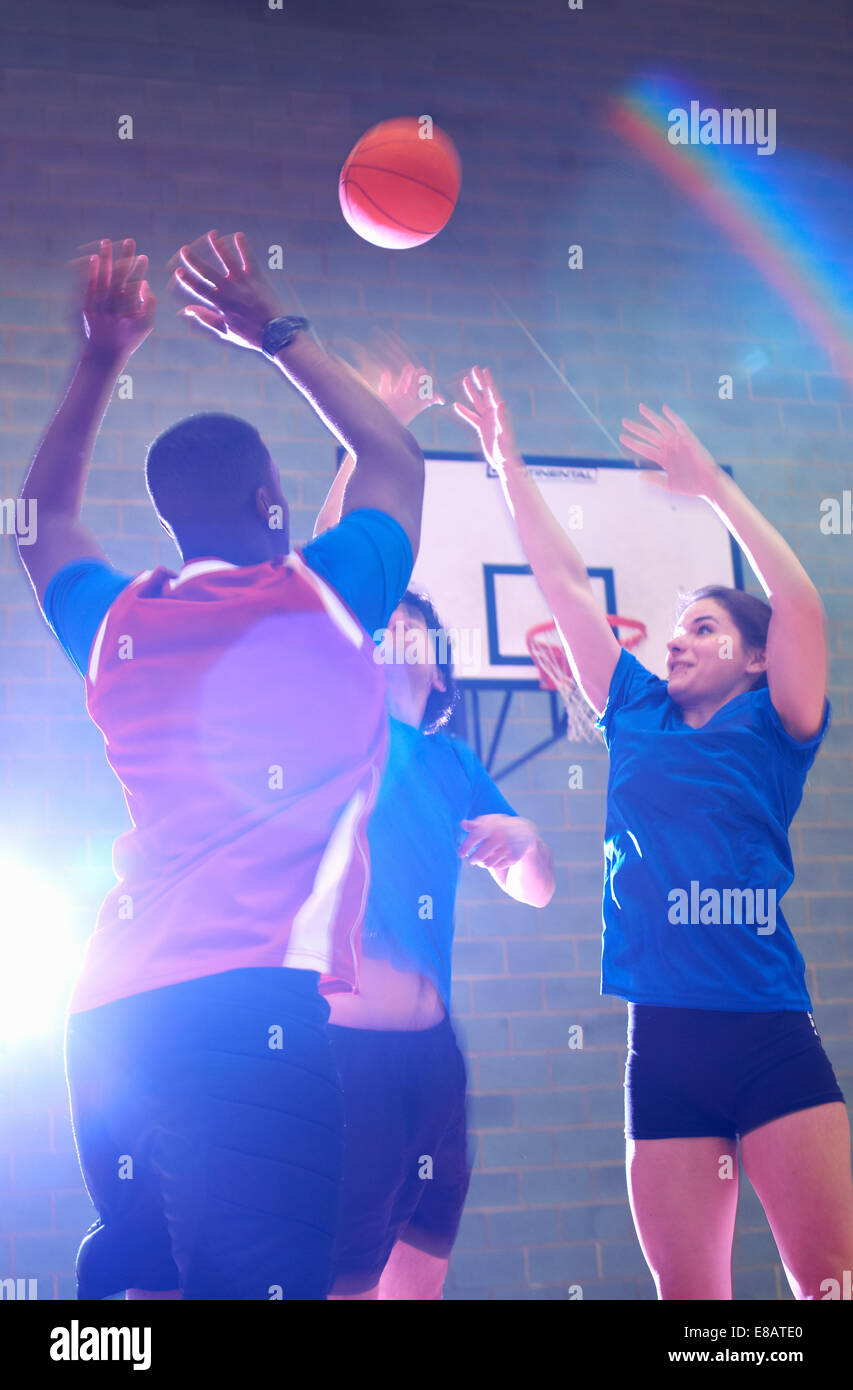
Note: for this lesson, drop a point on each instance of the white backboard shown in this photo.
(641, 546)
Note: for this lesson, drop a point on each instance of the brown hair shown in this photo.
(439, 706)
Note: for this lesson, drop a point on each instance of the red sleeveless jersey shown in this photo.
(243, 712)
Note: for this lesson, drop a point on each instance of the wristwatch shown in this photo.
(279, 332)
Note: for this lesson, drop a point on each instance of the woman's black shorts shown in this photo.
(692, 1073)
(406, 1167)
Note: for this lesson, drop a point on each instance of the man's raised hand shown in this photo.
(118, 304)
(230, 295)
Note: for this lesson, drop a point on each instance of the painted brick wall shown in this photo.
(242, 117)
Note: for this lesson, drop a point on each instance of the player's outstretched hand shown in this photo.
(410, 394)
(496, 841)
(118, 304)
(686, 465)
(230, 295)
(390, 371)
(489, 416)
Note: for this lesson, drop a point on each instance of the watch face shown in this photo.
(279, 332)
(275, 336)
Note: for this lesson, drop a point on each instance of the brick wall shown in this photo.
(242, 117)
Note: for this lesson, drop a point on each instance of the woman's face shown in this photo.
(412, 673)
(707, 658)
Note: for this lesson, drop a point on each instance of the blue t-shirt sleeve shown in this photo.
(792, 748)
(367, 559)
(630, 678)
(486, 798)
(76, 603)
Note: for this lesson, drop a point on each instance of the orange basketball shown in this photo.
(398, 188)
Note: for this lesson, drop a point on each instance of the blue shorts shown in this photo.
(406, 1167)
(212, 1155)
(695, 1073)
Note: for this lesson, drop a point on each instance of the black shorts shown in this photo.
(693, 1073)
(212, 1154)
(406, 1168)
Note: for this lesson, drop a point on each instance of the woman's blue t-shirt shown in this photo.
(696, 849)
(431, 783)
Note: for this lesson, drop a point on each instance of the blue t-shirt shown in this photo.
(431, 783)
(366, 558)
(696, 850)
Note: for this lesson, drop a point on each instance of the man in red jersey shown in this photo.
(243, 712)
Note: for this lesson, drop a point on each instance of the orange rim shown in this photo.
(638, 632)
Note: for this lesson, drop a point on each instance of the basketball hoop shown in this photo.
(547, 651)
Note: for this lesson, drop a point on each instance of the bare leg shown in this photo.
(799, 1166)
(412, 1274)
(138, 1294)
(351, 1297)
(683, 1195)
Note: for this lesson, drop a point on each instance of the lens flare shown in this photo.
(38, 953)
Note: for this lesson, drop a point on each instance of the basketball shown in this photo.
(399, 185)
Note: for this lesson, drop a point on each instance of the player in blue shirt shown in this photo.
(707, 771)
(402, 1071)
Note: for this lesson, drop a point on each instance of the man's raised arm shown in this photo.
(233, 300)
(117, 316)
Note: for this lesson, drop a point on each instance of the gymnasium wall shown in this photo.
(241, 118)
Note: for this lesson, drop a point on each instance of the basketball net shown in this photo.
(548, 652)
